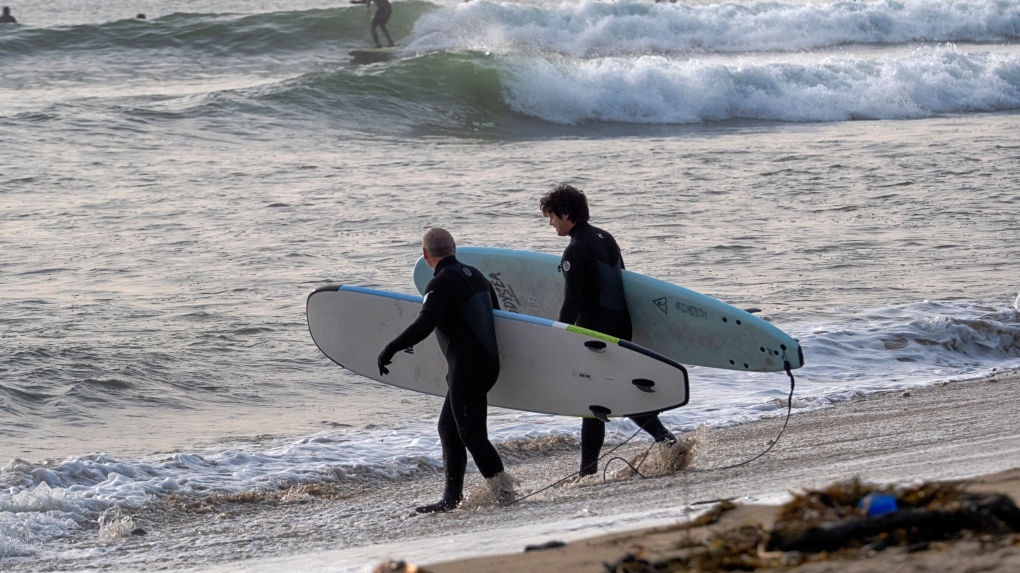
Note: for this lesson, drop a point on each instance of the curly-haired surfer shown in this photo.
(592, 267)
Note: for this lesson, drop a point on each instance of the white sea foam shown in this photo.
(591, 29)
(656, 89)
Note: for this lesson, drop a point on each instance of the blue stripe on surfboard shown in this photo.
(418, 299)
(524, 318)
(382, 293)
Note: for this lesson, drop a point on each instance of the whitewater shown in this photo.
(172, 189)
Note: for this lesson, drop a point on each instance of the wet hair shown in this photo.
(439, 243)
(7, 10)
(566, 200)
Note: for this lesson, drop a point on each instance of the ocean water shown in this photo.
(172, 189)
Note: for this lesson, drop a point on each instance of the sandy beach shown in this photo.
(964, 430)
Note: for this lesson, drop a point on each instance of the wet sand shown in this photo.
(953, 430)
(956, 430)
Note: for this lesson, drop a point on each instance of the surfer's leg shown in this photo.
(379, 21)
(593, 433)
(454, 462)
(651, 424)
(454, 454)
(375, 36)
(470, 408)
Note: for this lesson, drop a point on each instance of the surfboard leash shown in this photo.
(563, 479)
(605, 469)
(789, 411)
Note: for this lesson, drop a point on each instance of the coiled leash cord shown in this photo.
(789, 411)
(636, 469)
(563, 479)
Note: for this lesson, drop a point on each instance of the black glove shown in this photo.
(385, 357)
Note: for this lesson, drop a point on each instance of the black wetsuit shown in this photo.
(458, 305)
(383, 11)
(592, 268)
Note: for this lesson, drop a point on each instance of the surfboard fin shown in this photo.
(600, 412)
(643, 384)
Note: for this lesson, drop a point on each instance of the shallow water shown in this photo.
(173, 189)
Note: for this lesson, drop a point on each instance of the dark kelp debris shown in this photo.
(830, 523)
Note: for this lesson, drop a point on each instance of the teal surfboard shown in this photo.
(545, 366)
(678, 323)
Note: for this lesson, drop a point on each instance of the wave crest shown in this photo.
(655, 89)
(602, 29)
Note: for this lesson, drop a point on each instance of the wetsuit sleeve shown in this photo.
(431, 313)
(571, 266)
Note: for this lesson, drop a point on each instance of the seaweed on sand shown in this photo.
(830, 523)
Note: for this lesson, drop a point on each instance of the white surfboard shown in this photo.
(545, 366)
(373, 55)
(678, 323)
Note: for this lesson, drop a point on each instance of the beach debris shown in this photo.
(398, 567)
(833, 518)
(875, 504)
(848, 519)
(543, 546)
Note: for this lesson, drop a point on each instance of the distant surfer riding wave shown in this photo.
(383, 11)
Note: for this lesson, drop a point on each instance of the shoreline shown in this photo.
(952, 430)
(938, 428)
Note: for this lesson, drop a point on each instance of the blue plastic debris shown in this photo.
(876, 504)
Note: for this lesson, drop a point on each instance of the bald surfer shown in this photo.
(592, 268)
(383, 10)
(458, 307)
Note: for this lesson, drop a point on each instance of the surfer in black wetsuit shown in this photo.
(383, 11)
(6, 17)
(458, 306)
(593, 298)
